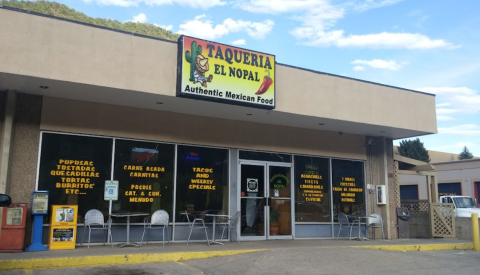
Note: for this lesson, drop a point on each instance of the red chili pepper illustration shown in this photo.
(267, 81)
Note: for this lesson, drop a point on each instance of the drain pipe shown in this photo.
(368, 144)
(372, 198)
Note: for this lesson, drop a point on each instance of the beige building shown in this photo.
(82, 105)
(437, 156)
(461, 177)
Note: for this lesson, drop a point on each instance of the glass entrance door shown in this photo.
(265, 200)
(279, 202)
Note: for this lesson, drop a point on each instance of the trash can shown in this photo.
(403, 223)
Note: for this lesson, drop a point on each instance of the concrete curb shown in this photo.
(421, 247)
(67, 262)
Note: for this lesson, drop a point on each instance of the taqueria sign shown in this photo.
(217, 72)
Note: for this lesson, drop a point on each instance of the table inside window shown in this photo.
(128, 215)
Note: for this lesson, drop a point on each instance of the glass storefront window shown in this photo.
(202, 181)
(74, 169)
(348, 187)
(312, 189)
(144, 171)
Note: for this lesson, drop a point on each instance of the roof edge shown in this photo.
(351, 78)
(175, 42)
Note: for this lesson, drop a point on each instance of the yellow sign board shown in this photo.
(217, 72)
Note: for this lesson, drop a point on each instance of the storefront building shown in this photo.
(459, 177)
(82, 105)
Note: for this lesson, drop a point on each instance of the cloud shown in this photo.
(358, 68)
(199, 16)
(197, 4)
(256, 30)
(365, 5)
(239, 42)
(203, 28)
(414, 13)
(141, 18)
(311, 13)
(279, 6)
(121, 3)
(379, 64)
(323, 6)
(444, 118)
(454, 100)
(168, 28)
(465, 129)
(444, 104)
(318, 17)
(384, 40)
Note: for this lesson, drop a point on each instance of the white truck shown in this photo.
(464, 206)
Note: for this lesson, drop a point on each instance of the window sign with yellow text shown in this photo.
(348, 192)
(217, 72)
(312, 189)
(144, 171)
(73, 169)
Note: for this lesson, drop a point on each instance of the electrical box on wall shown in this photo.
(381, 195)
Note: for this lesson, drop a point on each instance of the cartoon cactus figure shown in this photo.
(192, 57)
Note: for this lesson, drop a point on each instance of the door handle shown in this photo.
(269, 201)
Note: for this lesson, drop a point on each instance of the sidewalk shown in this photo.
(155, 253)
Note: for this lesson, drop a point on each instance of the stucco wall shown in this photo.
(55, 49)
(310, 93)
(2, 110)
(119, 121)
(25, 152)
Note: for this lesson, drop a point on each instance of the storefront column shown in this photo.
(24, 147)
(6, 142)
(383, 174)
(386, 178)
(6, 139)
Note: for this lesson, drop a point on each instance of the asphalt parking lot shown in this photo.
(298, 260)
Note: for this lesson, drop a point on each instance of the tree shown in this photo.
(465, 154)
(414, 149)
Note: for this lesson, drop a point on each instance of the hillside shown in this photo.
(62, 11)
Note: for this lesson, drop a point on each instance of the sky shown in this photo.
(430, 46)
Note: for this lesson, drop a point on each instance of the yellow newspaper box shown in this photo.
(63, 227)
